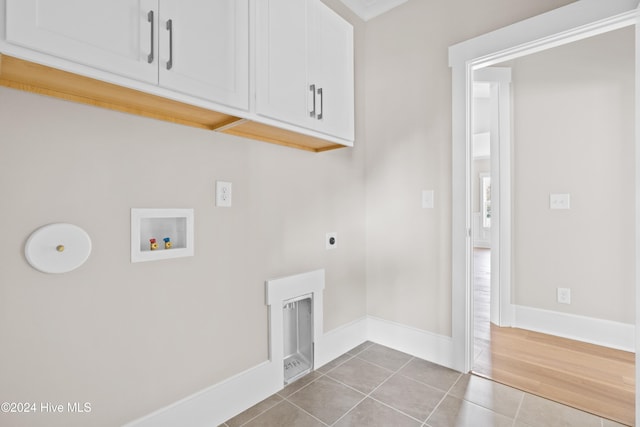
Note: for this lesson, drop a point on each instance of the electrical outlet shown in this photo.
(223, 194)
(559, 201)
(564, 295)
(332, 240)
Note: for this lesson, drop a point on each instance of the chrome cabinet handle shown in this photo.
(321, 106)
(170, 29)
(312, 88)
(150, 19)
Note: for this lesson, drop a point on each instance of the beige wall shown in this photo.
(131, 338)
(573, 133)
(408, 149)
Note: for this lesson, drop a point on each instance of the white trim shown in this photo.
(216, 404)
(338, 341)
(224, 400)
(220, 402)
(416, 342)
(573, 22)
(637, 209)
(602, 332)
(368, 9)
(499, 79)
(171, 216)
(279, 290)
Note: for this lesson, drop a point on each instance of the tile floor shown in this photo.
(372, 385)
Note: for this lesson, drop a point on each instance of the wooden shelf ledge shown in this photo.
(31, 77)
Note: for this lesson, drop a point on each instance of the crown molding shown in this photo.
(369, 9)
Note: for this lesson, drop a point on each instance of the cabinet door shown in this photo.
(114, 35)
(282, 88)
(205, 53)
(331, 69)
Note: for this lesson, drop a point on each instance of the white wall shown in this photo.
(573, 133)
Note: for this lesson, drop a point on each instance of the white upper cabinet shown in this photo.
(115, 35)
(207, 41)
(204, 49)
(279, 70)
(304, 66)
(281, 60)
(331, 71)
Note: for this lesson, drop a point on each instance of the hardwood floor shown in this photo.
(592, 378)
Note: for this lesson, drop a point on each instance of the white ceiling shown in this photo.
(368, 9)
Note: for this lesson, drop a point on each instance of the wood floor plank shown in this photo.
(589, 377)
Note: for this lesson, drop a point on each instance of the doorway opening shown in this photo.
(576, 21)
(546, 238)
(481, 205)
(490, 204)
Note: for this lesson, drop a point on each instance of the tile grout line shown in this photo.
(320, 375)
(385, 368)
(365, 395)
(261, 413)
(303, 387)
(349, 411)
(379, 385)
(397, 372)
(316, 379)
(515, 417)
(311, 415)
(395, 409)
(443, 398)
(368, 396)
(286, 398)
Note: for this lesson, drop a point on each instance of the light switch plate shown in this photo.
(559, 201)
(223, 194)
(427, 199)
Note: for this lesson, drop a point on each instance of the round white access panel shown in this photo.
(58, 248)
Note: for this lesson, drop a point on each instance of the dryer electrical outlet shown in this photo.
(331, 240)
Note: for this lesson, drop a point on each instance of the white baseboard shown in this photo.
(220, 402)
(483, 244)
(607, 333)
(340, 340)
(216, 404)
(416, 342)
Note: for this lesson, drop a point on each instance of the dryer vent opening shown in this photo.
(297, 314)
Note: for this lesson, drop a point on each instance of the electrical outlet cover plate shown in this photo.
(223, 194)
(559, 201)
(564, 295)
